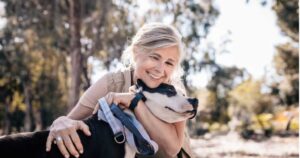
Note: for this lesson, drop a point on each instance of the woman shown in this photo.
(154, 56)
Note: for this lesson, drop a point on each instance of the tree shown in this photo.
(75, 51)
(286, 59)
(46, 41)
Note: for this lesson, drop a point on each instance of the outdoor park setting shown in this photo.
(241, 62)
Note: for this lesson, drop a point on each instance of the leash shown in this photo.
(134, 133)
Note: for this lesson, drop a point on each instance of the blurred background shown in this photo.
(242, 63)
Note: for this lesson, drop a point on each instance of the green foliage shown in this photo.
(35, 58)
(35, 51)
(248, 96)
(288, 17)
(35, 45)
(286, 60)
(233, 96)
(223, 80)
(27, 54)
(294, 125)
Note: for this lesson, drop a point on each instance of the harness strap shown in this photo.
(113, 122)
(135, 134)
(144, 147)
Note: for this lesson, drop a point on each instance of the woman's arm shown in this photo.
(66, 127)
(170, 137)
(80, 112)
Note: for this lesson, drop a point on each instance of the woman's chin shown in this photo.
(152, 84)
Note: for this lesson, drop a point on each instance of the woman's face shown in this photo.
(156, 67)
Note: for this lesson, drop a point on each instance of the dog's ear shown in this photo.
(140, 83)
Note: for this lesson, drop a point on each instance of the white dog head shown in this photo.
(168, 103)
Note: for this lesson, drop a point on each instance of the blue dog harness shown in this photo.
(126, 128)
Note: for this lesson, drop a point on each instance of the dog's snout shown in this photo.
(194, 113)
(194, 102)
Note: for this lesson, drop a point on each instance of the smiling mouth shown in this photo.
(154, 76)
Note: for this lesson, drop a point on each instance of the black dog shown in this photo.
(33, 144)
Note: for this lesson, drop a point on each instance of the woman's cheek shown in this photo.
(170, 72)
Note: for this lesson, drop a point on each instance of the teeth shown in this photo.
(154, 76)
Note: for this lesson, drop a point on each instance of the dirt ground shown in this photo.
(232, 146)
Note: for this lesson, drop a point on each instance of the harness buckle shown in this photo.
(119, 138)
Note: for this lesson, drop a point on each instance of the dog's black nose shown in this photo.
(194, 102)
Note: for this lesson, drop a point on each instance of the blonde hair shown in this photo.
(152, 36)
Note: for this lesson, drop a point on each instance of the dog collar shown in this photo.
(163, 88)
(136, 99)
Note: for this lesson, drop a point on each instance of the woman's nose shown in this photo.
(160, 67)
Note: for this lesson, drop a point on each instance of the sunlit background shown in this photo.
(242, 63)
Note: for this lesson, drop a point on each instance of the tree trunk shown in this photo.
(75, 53)
(7, 125)
(29, 120)
(38, 119)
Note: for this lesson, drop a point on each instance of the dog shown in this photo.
(166, 102)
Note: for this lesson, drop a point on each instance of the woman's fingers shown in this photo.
(123, 99)
(61, 146)
(50, 139)
(122, 107)
(96, 109)
(75, 138)
(69, 145)
(85, 128)
(109, 97)
(63, 141)
(66, 128)
(72, 140)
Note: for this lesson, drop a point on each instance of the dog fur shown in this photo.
(33, 144)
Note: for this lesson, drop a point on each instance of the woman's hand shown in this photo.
(63, 132)
(121, 99)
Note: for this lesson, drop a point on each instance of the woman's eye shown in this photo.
(169, 63)
(154, 57)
